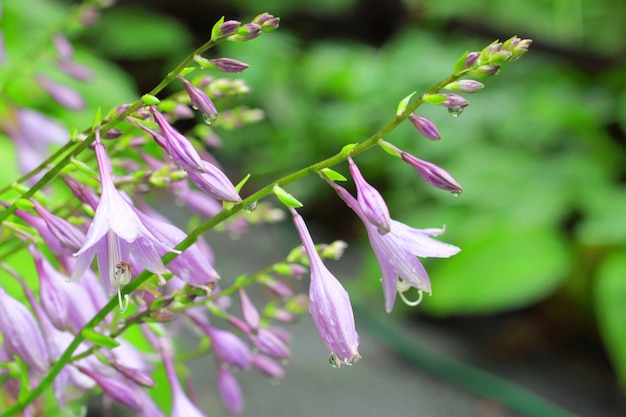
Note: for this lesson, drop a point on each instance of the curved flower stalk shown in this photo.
(398, 249)
(117, 236)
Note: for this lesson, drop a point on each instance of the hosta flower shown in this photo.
(117, 236)
(329, 304)
(397, 251)
(21, 334)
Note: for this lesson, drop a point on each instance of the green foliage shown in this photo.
(609, 296)
(128, 33)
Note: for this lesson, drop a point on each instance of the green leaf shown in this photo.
(510, 266)
(610, 307)
(333, 175)
(99, 338)
(286, 198)
(150, 100)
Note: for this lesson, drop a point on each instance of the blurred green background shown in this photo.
(541, 152)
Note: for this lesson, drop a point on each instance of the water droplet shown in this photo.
(208, 119)
(334, 361)
(455, 112)
(456, 193)
(249, 208)
(193, 106)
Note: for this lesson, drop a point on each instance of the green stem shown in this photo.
(48, 176)
(191, 238)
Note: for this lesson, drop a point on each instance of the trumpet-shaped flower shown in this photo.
(117, 236)
(329, 304)
(397, 251)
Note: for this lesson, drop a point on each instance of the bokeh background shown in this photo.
(536, 300)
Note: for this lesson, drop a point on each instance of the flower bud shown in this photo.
(247, 32)
(425, 127)
(230, 391)
(465, 86)
(229, 27)
(228, 65)
(267, 21)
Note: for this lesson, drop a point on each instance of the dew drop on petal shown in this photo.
(208, 119)
(333, 360)
(456, 193)
(455, 112)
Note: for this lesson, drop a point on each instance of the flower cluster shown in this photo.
(152, 274)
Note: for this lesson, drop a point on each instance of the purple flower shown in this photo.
(228, 347)
(177, 146)
(62, 94)
(432, 173)
(465, 86)
(425, 127)
(199, 100)
(117, 236)
(397, 252)
(181, 404)
(372, 203)
(21, 334)
(123, 392)
(215, 183)
(267, 366)
(67, 234)
(52, 298)
(228, 64)
(230, 391)
(329, 304)
(269, 343)
(191, 266)
(250, 313)
(229, 27)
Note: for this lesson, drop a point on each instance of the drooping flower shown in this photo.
(181, 404)
(397, 251)
(329, 304)
(122, 390)
(215, 183)
(21, 334)
(179, 148)
(230, 391)
(372, 203)
(433, 174)
(117, 236)
(425, 127)
(199, 99)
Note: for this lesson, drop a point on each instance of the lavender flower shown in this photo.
(372, 203)
(425, 127)
(62, 94)
(465, 86)
(228, 348)
(21, 334)
(181, 404)
(123, 392)
(117, 236)
(52, 297)
(397, 252)
(432, 173)
(177, 146)
(228, 64)
(215, 183)
(330, 305)
(67, 234)
(191, 266)
(230, 391)
(199, 100)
